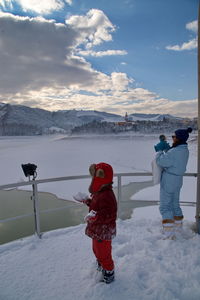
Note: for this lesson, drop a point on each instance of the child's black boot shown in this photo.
(108, 276)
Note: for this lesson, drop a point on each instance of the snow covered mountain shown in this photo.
(23, 120)
(151, 117)
(19, 119)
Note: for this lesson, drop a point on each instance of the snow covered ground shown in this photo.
(61, 265)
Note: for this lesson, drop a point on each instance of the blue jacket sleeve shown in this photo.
(165, 159)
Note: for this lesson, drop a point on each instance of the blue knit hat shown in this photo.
(183, 134)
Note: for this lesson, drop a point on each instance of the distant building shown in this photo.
(126, 117)
(126, 121)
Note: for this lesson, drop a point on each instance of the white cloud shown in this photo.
(35, 52)
(187, 108)
(102, 53)
(44, 7)
(192, 26)
(94, 27)
(6, 3)
(120, 81)
(40, 68)
(69, 1)
(191, 44)
(135, 100)
(41, 7)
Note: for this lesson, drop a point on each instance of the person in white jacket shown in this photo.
(174, 164)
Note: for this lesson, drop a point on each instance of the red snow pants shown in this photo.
(103, 251)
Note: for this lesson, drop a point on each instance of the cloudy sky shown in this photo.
(135, 56)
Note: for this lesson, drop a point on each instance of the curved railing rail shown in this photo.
(35, 198)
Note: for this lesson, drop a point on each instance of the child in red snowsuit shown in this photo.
(101, 220)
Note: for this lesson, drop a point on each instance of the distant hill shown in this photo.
(23, 120)
(152, 117)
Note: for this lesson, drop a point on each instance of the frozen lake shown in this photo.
(55, 213)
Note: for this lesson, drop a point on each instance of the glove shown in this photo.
(81, 197)
(91, 216)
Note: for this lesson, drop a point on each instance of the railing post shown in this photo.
(119, 191)
(36, 210)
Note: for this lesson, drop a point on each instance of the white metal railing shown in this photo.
(35, 197)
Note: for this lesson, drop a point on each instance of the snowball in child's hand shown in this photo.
(92, 213)
(80, 197)
(90, 216)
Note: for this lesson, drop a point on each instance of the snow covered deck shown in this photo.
(61, 264)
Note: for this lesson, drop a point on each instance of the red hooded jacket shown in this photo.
(103, 201)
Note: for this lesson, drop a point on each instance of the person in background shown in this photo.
(174, 163)
(101, 219)
(163, 145)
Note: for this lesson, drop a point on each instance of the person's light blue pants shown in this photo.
(169, 195)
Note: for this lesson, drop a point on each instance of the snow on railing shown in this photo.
(35, 197)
